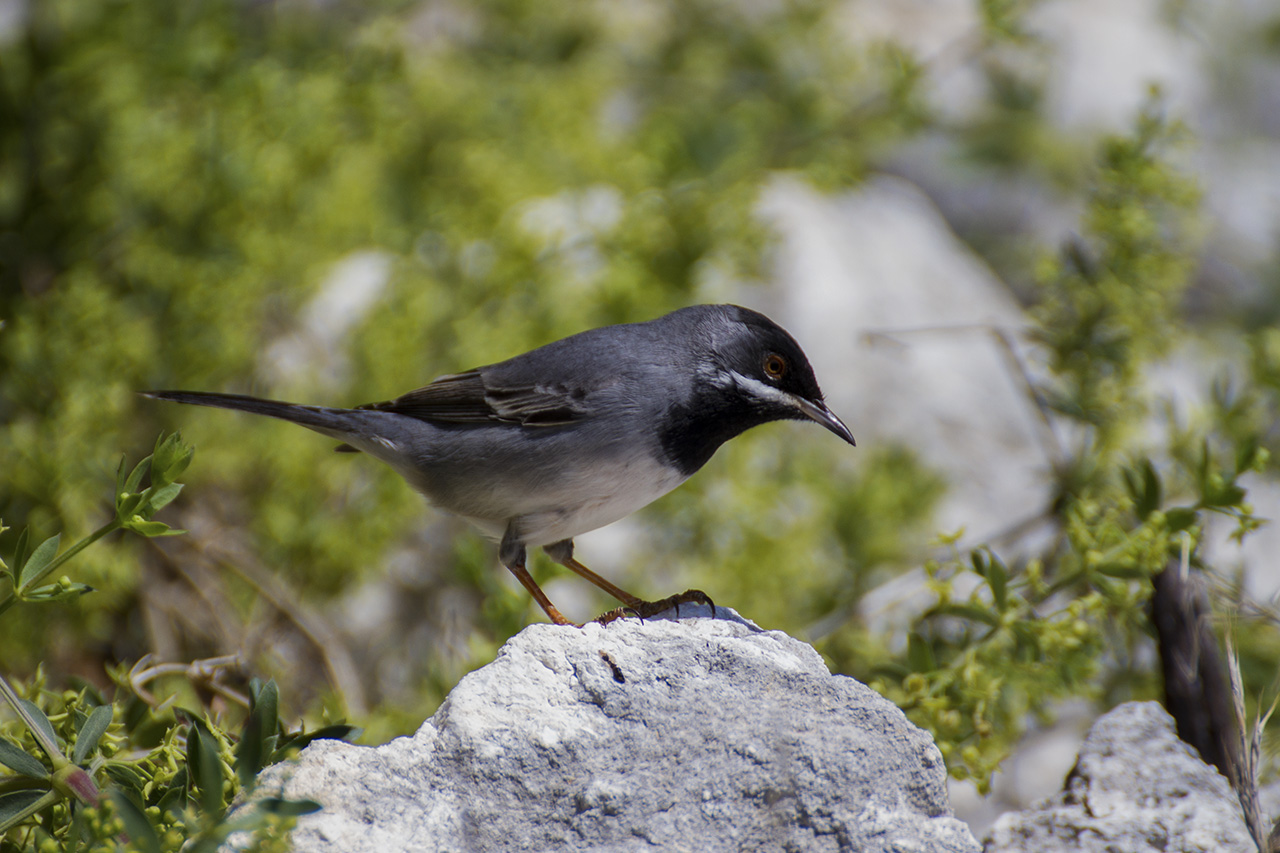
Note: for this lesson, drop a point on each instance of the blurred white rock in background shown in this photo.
(313, 352)
(904, 323)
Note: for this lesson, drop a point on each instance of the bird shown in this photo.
(578, 433)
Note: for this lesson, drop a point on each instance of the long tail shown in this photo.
(332, 422)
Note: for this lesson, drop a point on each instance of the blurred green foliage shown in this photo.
(179, 182)
(88, 772)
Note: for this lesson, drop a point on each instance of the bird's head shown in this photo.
(758, 361)
(749, 372)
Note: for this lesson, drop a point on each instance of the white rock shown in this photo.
(702, 734)
(1135, 787)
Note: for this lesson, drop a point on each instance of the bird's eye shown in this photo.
(775, 366)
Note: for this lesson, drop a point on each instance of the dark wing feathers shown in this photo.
(457, 399)
(473, 398)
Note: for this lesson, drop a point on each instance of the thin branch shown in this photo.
(204, 673)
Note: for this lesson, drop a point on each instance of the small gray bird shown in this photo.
(579, 433)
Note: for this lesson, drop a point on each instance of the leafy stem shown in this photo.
(34, 579)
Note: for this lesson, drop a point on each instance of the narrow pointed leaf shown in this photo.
(209, 774)
(19, 805)
(20, 552)
(40, 719)
(338, 731)
(181, 782)
(920, 654)
(1116, 570)
(57, 592)
(142, 834)
(998, 579)
(127, 505)
(1152, 490)
(163, 496)
(126, 775)
(1247, 455)
(249, 752)
(171, 458)
(20, 761)
(266, 703)
(135, 477)
(148, 528)
(174, 800)
(91, 732)
(972, 612)
(41, 557)
(288, 808)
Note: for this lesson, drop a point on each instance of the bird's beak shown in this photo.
(820, 413)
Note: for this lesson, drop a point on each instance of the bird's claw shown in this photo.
(617, 613)
(645, 609)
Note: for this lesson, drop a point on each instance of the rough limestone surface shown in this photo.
(1135, 788)
(698, 734)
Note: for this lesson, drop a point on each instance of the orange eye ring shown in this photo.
(775, 366)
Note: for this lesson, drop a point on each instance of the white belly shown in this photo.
(585, 503)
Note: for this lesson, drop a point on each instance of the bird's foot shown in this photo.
(644, 609)
(617, 613)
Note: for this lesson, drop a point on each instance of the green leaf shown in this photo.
(205, 766)
(174, 799)
(1152, 488)
(919, 654)
(91, 732)
(126, 775)
(989, 566)
(1247, 455)
(20, 761)
(1115, 570)
(1144, 488)
(249, 752)
(40, 558)
(41, 720)
(1180, 518)
(18, 805)
(136, 825)
(127, 504)
(135, 477)
(20, 553)
(1229, 495)
(181, 780)
(258, 736)
(150, 528)
(972, 612)
(288, 808)
(158, 498)
(57, 592)
(170, 459)
(266, 703)
(338, 731)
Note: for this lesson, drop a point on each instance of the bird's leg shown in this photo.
(562, 553)
(512, 554)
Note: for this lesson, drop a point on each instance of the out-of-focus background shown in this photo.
(335, 202)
